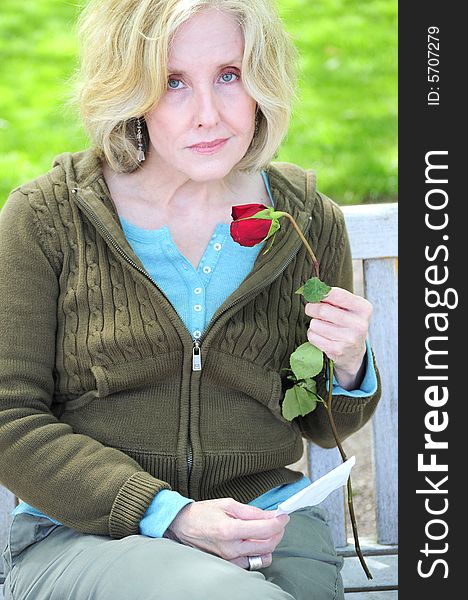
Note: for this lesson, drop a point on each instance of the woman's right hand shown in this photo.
(229, 529)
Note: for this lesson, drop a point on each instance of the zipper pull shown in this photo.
(196, 356)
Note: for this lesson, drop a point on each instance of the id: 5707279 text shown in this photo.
(433, 74)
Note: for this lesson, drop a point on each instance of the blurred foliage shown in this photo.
(345, 125)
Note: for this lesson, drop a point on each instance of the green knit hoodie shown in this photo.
(100, 407)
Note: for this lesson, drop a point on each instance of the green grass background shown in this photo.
(345, 126)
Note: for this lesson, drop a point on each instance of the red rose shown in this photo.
(249, 232)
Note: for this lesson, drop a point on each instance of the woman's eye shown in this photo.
(228, 77)
(173, 84)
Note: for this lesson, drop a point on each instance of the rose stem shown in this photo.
(329, 411)
(306, 244)
(343, 456)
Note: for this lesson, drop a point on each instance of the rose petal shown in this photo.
(246, 210)
(250, 232)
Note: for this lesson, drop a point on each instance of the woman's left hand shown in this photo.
(339, 327)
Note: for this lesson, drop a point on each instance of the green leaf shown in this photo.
(298, 402)
(309, 384)
(306, 361)
(315, 290)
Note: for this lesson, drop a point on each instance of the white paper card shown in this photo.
(317, 491)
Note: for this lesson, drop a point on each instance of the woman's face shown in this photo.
(205, 101)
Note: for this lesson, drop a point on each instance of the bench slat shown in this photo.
(383, 568)
(372, 230)
(380, 595)
(322, 461)
(381, 289)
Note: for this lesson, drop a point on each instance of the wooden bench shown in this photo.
(373, 236)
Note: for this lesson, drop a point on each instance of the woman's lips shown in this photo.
(209, 147)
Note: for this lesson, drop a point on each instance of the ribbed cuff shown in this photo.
(345, 404)
(132, 502)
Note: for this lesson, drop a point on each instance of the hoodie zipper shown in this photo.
(196, 348)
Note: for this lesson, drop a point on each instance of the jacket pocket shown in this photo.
(132, 375)
(133, 406)
(260, 384)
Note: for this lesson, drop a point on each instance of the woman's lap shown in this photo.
(56, 563)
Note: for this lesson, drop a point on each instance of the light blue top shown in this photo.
(196, 294)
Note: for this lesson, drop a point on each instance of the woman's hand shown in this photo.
(229, 529)
(339, 328)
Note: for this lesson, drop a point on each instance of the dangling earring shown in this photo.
(141, 152)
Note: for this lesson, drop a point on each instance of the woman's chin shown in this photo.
(198, 168)
(210, 171)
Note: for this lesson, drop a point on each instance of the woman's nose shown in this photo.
(207, 108)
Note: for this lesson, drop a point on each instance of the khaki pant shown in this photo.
(44, 561)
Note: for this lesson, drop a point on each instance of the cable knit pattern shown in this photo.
(99, 406)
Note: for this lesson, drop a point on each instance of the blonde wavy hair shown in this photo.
(123, 71)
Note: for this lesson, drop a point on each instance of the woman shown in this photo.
(141, 348)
